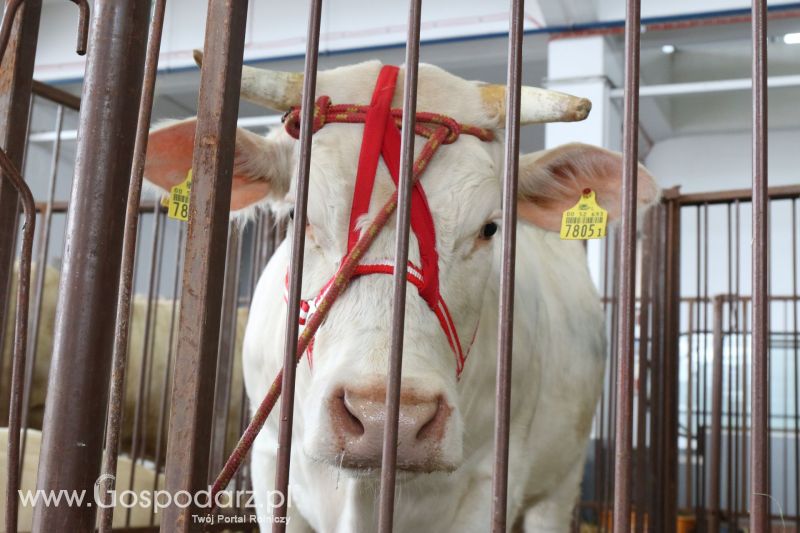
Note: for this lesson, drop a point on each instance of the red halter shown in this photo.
(381, 137)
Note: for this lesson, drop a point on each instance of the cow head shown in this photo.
(344, 407)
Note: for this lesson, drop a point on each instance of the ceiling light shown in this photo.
(668, 49)
(792, 38)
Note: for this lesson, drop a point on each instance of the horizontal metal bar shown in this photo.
(266, 121)
(711, 86)
(56, 95)
(782, 192)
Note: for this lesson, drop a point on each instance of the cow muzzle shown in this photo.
(357, 418)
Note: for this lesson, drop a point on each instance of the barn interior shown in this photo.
(691, 414)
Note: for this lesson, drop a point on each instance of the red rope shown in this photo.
(439, 130)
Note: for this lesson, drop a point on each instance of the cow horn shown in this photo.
(268, 88)
(537, 105)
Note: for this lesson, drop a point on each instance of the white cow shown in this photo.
(446, 425)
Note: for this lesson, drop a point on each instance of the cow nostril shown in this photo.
(434, 428)
(348, 417)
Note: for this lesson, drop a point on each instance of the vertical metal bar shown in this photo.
(716, 419)
(689, 405)
(41, 269)
(627, 267)
(671, 358)
(796, 344)
(122, 319)
(296, 265)
(81, 363)
(404, 186)
(644, 372)
(505, 332)
(204, 265)
(759, 443)
(16, 74)
(227, 341)
(163, 415)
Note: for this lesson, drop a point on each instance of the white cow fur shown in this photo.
(558, 331)
(557, 376)
(559, 344)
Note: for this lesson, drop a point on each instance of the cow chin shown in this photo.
(348, 431)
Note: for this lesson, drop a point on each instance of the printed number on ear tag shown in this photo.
(178, 200)
(585, 220)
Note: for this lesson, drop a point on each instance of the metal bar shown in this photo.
(16, 72)
(796, 368)
(54, 94)
(671, 358)
(204, 265)
(644, 371)
(296, 265)
(83, 26)
(138, 435)
(227, 341)
(41, 268)
(122, 319)
(11, 174)
(505, 332)
(404, 187)
(716, 419)
(780, 192)
(163, 415)
(81, 362)
(627, 267)
(759, 437)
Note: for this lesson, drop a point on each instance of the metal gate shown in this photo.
(638, 477)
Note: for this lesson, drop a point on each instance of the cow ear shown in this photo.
(551, 181)
(261, 169)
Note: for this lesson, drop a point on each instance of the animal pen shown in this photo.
(697, 425)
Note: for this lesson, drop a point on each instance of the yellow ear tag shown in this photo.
(178, 200)
(585, 220)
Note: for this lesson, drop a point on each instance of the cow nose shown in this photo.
(358, 418)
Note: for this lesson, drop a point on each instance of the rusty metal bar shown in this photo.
(505, 332)
(759, 437)
(716, 419)
(11, 174)
(81, 363)
(404, 187)
(83, 26)
(54, 94)
(296, 265)
(627, 268)
(203, 271)
(16, 72)
(122, 319)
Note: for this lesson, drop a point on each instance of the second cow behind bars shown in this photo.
(445, 447)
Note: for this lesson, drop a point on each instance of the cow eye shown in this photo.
(489, 229)
(291, 214)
